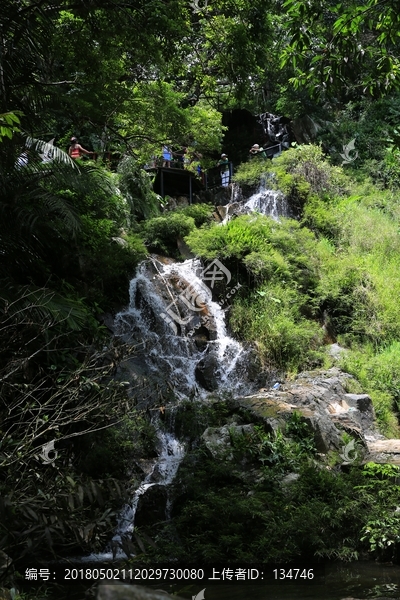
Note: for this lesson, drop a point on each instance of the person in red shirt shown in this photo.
(76, 150)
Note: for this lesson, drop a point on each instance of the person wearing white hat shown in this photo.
(224, 164)
(255, 150)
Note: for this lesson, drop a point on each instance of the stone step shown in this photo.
(391, 446)
(383, 452)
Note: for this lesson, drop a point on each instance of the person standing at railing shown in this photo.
(255, 150)
(167, 156)
(225, 173)
(76, 150)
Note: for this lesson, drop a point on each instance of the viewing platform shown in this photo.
(178, 180)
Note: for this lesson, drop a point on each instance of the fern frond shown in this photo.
(53, 153)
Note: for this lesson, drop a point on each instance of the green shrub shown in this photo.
(271, 317)
(161, 233)
(320, 217)
(308, 163)
(251, 173)
(109, 269)
(378, 373)
(254, 233)
(201, 213)
(382, 529)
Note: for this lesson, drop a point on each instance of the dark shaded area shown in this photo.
(243, 131)
(176, 182)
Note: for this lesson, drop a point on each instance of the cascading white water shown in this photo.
(169, 303)
(163, 471)
(267, 202)
(142, 323)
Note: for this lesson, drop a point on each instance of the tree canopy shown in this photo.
(347, 48)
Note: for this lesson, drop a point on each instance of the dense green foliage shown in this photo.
(279, 260)
(162, 233)
(127, 78)
(348, 43)
(236, 505)
(337, 267)
(62, 269)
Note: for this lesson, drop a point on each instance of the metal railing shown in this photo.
(211, 178)
(273, 150)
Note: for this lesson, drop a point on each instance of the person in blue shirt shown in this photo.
(167, 156)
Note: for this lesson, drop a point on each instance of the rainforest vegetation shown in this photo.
(127, 78)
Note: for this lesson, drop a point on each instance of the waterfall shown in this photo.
(180, 334)
(180, 327)
(276, 129)
(266, 201)
(163, 471)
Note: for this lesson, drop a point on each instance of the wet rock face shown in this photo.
(151, 506)
(321, 398)
(207, 372)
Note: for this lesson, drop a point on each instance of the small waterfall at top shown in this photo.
(181, 337)
(276, 129)
(265, 201)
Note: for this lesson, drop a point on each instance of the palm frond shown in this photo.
(50, 152)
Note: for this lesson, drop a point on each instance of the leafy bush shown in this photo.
(382, 529)
(308, 163)
(319, 216)
(271, 317)
(251, 173)
(378, 373)
(161, 233)
(201, 213)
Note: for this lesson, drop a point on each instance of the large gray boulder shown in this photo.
(321, 398)
(218, 440)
